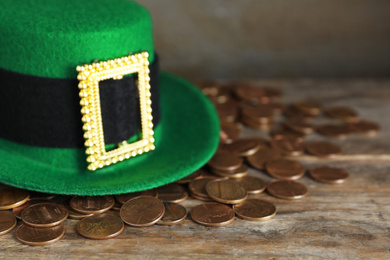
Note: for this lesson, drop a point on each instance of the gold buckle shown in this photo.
(89, 77)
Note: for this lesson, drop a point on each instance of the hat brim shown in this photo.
(186, 138)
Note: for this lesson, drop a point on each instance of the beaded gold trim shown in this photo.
(89, 76)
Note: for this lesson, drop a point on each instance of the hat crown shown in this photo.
(49, 38)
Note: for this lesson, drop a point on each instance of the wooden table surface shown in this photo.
(344, 221)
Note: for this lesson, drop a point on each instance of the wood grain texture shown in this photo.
(344, 221)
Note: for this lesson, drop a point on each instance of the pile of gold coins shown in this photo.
(223, 185)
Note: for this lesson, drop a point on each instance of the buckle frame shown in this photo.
(89, 76)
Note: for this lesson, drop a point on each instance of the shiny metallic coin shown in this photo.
(283, 132)
(35, 236)
(229, 132)
(255, 210)
(252, 185)
(172, 192)
(261, 126)
(117, 206)
(291, 112)
(142, 211)
(197, 187)
(246, 146)
(92, 204)
(262, 156)
(212, 214)
(192, 176)
(258, 114)
(239, 173)
(18, 210)
(276, 108)
(272, 94)
(225, 161)
(226, 191)
(250, 93)
(12, 197)
(76, 215)
(330, 175)
(323, 149)
(102, 226)
(300, 125)
(285, 169)
(365, 127)
(209, 88)
(224, 96)
(44, 215)
(200, 198)
(285, 189)
(7, 222)
(335, 131)
(174, 214)
(123, 198)
(342, 113)
(308, 107)
(227, 112)
(288, 145)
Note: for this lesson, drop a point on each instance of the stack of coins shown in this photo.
(223, 185)
(287, 125)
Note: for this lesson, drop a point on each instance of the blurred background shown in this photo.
(226, 39)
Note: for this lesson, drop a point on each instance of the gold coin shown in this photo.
(35, 236)
(92, 204)
(7, 222)
(252, 185)
(212, 214)
(226, 191)
(172, 192)
(142, 211)
(12, 197)
(44, 214)
(174, 214)
(255, 210)
(102, 226)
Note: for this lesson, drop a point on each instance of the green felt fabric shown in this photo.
(186, 138)
(49, 38)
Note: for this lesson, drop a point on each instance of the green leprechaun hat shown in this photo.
(138, 128)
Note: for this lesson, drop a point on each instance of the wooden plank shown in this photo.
(345, 221)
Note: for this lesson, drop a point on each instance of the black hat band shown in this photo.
(45, 112)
